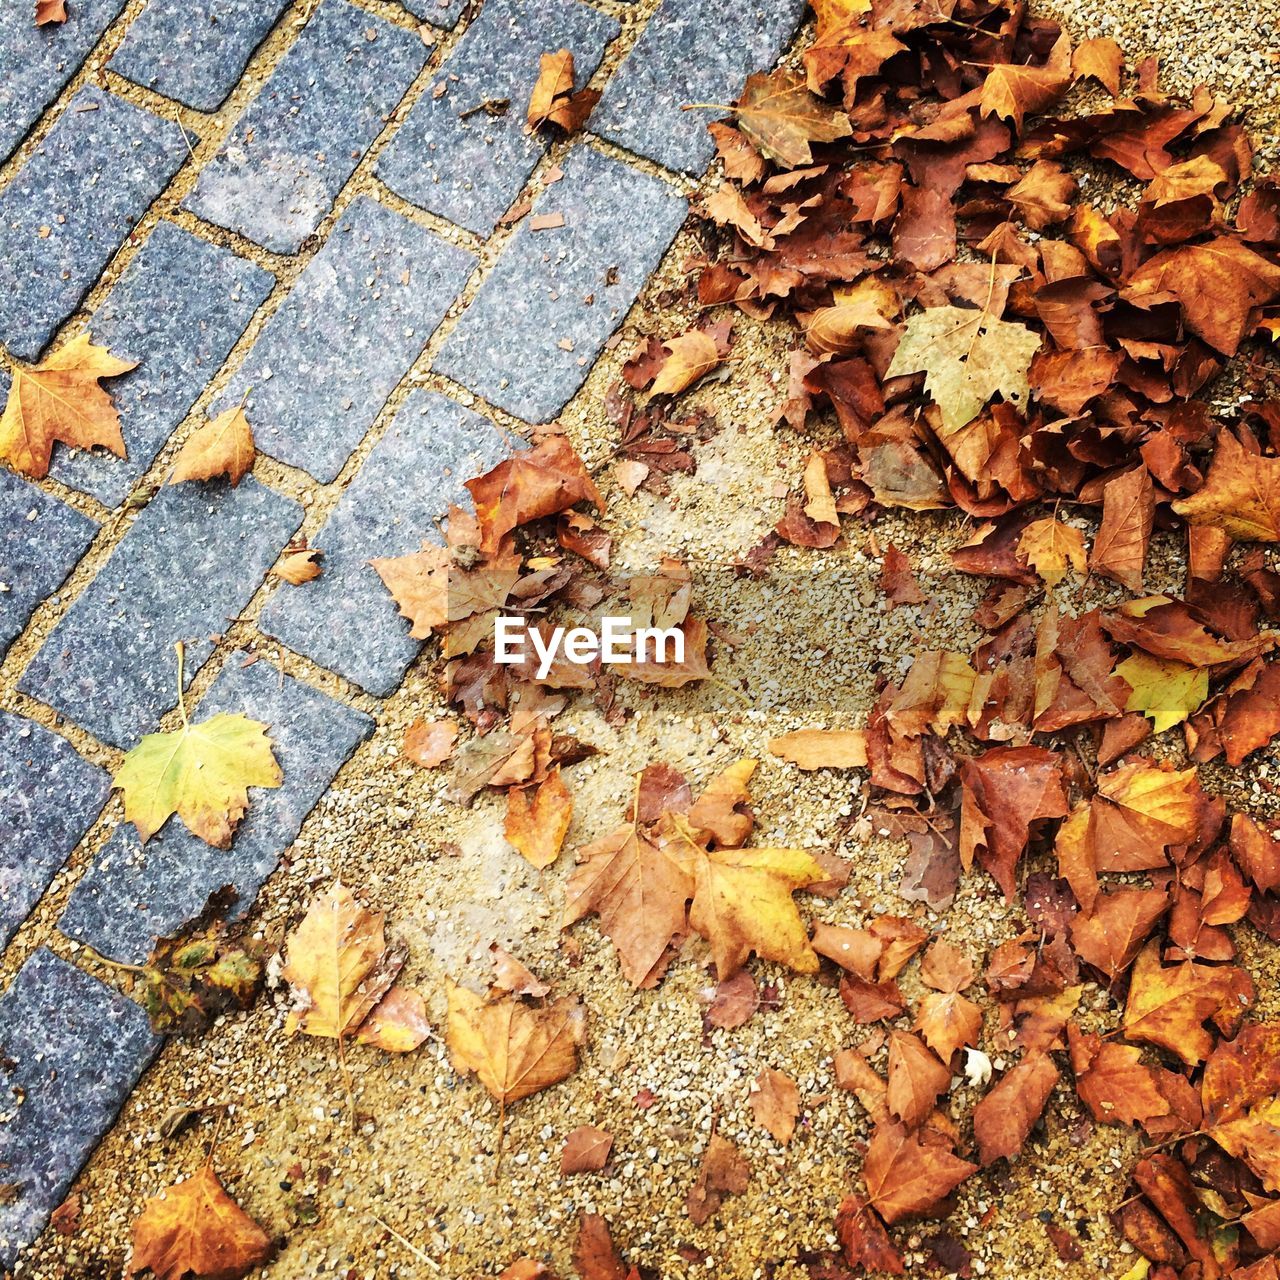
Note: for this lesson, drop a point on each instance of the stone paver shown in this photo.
(36, 62)
(87, 184)
(357, 318)
(41, 541)
(49, 794)
(297, 143)
(691, 51)
(71, 1050)
(195, 50)
(186, 568)
(462, 163)
(178, 310)
(530, 337)
(131, 894)
(345, 619)
(440, 13)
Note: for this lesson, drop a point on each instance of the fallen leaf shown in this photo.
(689, 357)
(916, 1079)
(223, 447)
(822, 748)
(196, 1229)
(1099, 59)
(429, 743)
(967, 356)
(586, 1150)
(297, 567)
(724, 1172)
(48, 11)
(1005, 1116)
(398, 1022)
(553, 100)
(1165, 692)
(419, 584)
(1049, 546)
(1240, 495)
(905, 1178)
(781, 118)
(863, 1239)
(514, 1049)
(61, 400)
(537, 828)
(775, 1103)
(1128, 512)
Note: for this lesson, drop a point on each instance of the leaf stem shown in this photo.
(182, 702)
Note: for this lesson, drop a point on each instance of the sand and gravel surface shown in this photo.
(410, 1188)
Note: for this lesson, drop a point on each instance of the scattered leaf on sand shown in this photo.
(1050, 547)
(429, 743)
(586, 1150)
(822, 748)
(775, 1103)
(1005, 1116)
(690, 356)
(419, 584)
(1240, 495)
(781, 117)
(905, 1177)
(398, 1023)
(724, 1172)
(537, 828)
(196, 1229)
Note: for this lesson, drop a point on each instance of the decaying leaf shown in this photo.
(223, 447)
(1049, 546)
(196, 1229)
(537, 827)
(553, 100)
(822, 748)
(724, 1172)
(781, 117)
(775, 1103)
(906, 1177)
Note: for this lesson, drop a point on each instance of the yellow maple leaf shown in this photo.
(61, 400)
(1166, 692)
(196, 1229)
(742, 903)
(223, 447)
(201, 772)
(966, 357)
(515, 1049)
(338, 965)
(1240, 495)
(1049, 547)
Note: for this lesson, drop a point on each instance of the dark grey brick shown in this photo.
(345, 619)
(77, 1049)
(49, 794)
(440, 13)
(470, 170)
(357, 318)
(691, 51)
(35, 62)
(194, 50)
(131, 894)
(190, 563)
(89, 181)
(298, 141)
(41, 539)
(573, 284)
(178, 310)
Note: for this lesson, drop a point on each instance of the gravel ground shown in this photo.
(411, 1192)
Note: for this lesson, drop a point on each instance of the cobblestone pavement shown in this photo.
(297, 203)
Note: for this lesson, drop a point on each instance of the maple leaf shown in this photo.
(907, 1178)
(916, 1078)
(775, 1103)
(50, 11)
(201, 772)
(781, 117)
(553, 100)
(1165, 692)
(1012, 91)
(191, 978)
(864, 1240)
(419, 584)
(966, 357)
(223, 447)
(513, 1048)
(196, 1229)
(1049, 547)
(1112, 932)
(724, 1172)
(639, 890)
(1005, 1116)
(1113, 1082)
(1099, 59)
(1240, 495)
(1168, 1006)
(1218, 284)
(742, 903)
(537, 829)
(543, 481)
(338, 965)
(1128, 512)
(689, 357)
(61, 400)
(945, 1018)
(1242, 718)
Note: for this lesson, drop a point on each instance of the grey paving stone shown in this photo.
(691, 51)
(49, 794)
(345, 619)
(178, 310)
(36, 62)
(41, 540)
(71, 1051)
(194, 50)
(357, 318)
(188, 565)
(470, 170)
(131, 894)
(298, 141)
(88, 182)
(440, 13)
(573, 284)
